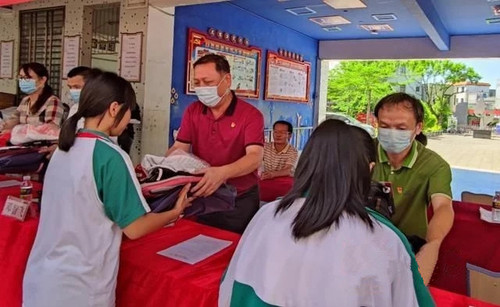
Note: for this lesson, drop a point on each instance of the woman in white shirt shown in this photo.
(90, 197)
(319, 245)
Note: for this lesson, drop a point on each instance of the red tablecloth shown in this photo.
(147, 279)
(443, 298)
(16, 239)
(270, 189)
(470, 240)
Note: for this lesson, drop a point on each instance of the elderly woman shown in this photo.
(320, 245)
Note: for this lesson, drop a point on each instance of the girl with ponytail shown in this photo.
(90, 197)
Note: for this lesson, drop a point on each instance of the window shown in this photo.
(105, 36)
(417, 89)
(41, 36)
(402, 88)
(461, 100)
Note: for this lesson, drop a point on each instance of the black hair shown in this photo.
(409, 102)
(284, 122)
(41, 71)
(100, 90)
(221, 64)
(333, 173)
(404, 99)
(83, 71)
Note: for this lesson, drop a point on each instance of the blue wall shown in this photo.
(262, 33)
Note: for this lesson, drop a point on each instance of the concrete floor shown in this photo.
(463, 151)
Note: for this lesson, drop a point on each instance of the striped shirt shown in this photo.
(52, 111)
(276, 161)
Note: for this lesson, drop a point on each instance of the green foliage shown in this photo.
(352, 84)
(356, 86)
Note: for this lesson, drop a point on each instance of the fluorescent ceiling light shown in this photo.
(377, 27)
(345, 4)
(330, 20)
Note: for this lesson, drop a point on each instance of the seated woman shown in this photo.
(40, 105)
(320, 245)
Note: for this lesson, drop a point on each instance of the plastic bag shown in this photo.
(177, 161)
(25, 133)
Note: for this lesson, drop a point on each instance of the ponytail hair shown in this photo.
(100, 90)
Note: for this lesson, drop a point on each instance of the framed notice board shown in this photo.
(244, 61)
(287, 79)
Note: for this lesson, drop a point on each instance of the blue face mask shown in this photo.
(393, 140)
(75, 94)
(27, 86)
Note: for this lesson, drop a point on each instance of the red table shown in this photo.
(149, 280)
(270, 189)
(16, 239)
(470, 240)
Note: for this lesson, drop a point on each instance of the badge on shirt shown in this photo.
(400, 190)
(233, 124)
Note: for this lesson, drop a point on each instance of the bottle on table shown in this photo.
(496, 207)
(26, 189)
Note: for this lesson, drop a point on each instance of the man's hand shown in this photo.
(49, 150)
(427, 258)
(267, 175)
(212, 179)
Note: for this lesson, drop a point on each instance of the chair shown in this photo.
(483, 284)
(483, 199)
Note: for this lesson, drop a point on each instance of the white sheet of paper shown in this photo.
(487, 216)
(195, 249)
(9, 183)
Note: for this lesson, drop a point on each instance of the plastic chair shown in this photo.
(483, 199)
(483, 284)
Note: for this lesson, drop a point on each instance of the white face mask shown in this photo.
(394, 141)
(208, 94)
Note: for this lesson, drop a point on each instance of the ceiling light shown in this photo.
(493, 20)
(345, 4)
(332, 29)
(301, 11)
(377, 28)
(330, 21)
(384, 17)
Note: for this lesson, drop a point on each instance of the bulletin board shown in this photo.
(287, 79)
(244, 62)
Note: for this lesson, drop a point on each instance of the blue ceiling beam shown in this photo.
(426, 14)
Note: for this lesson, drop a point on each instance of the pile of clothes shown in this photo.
(162, 179)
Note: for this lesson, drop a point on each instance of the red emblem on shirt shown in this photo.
(400, 190)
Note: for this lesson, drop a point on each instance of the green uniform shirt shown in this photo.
(424, 174)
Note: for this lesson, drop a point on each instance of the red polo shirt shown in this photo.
(224, 140)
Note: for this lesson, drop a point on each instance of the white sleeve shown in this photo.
(403, 290)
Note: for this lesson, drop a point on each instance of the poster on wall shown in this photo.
(6, 59)
(287, 79)
(71, 53)
(131, 56)
(244, 62)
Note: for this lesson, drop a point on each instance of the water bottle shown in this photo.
(496, 207)
(26, 189)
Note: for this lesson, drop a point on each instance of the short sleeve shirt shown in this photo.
(423, 175)
(224, 140)
(90, 193)
(276, 161)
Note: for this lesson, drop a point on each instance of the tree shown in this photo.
(436, 78)
(355, 86)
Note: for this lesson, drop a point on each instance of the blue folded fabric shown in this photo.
(221, 200)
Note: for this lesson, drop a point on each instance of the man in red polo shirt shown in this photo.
(228, 133)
